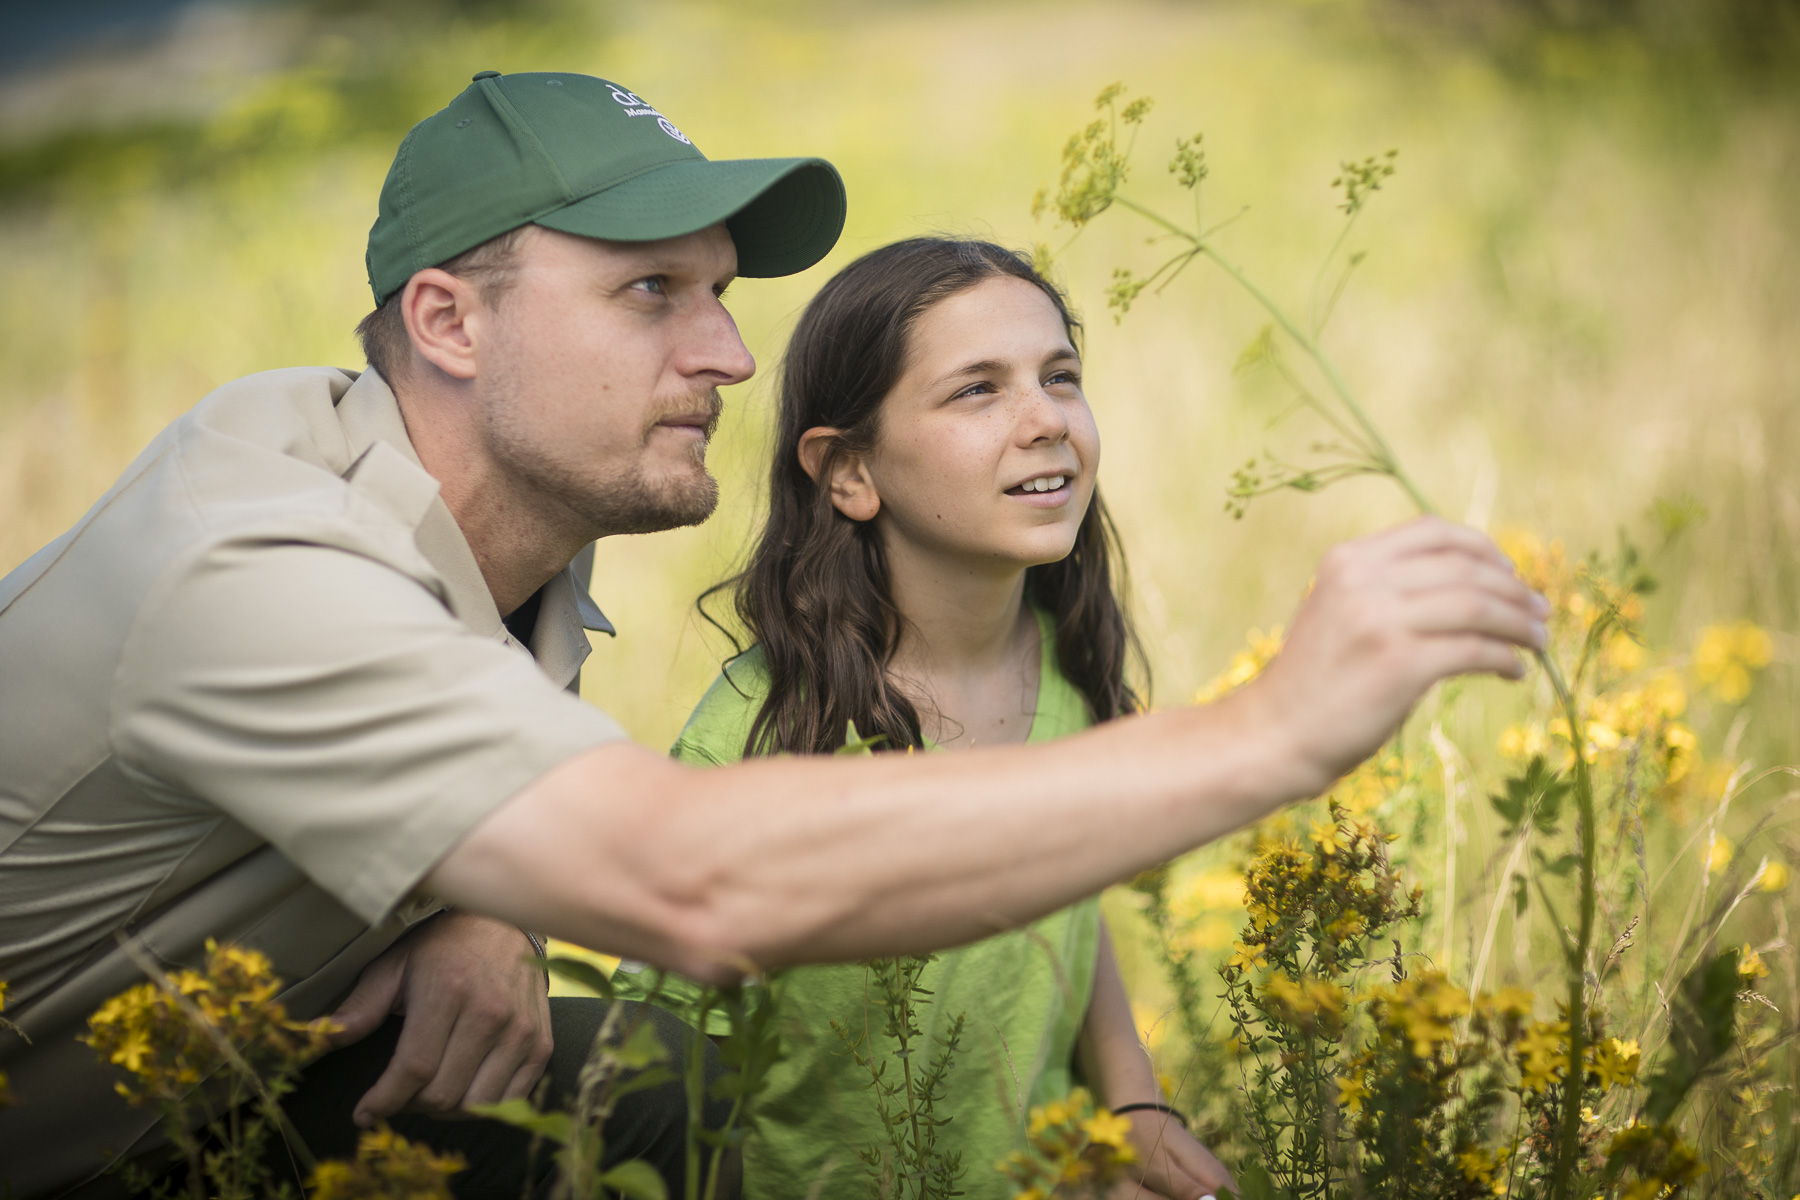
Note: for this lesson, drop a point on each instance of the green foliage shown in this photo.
(910, 1100)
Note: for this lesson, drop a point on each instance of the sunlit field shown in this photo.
(1576, 321)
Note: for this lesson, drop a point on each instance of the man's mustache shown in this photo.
(709, 403)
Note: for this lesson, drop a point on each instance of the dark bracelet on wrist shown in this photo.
(1153, 1106)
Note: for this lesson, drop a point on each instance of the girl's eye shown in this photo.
(1070, 377)
(974, 389)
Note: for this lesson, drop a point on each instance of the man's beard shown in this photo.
(624, 502)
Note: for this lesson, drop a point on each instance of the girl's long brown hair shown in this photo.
(815, 593)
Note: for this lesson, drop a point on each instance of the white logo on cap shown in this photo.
(635, 107)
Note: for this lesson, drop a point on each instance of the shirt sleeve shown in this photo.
(335, 707)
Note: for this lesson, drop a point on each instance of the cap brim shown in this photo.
(784, 214)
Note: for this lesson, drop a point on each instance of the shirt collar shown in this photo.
(383, 459)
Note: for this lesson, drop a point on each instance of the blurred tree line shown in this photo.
(359, 73)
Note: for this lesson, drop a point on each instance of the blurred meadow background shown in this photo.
(1579, 313)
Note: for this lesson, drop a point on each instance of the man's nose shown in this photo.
(717, 350)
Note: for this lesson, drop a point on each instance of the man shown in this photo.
(298, 680)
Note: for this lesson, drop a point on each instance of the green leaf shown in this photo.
(1510, 806)
(642, 1049)
(557, 1127)
(1260, 350)
(579, 972)
(643, 1081)
(1255, 1183)
(1558, 867)
(1702, 1028)
(636, 1179)
(855, 743)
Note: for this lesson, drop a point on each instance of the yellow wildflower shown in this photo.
(1774, 877)
(1664, 696)
(1481, 1166)
(1615, 1061)
(1246, 664)
(1622, 652)
(1246, 957)
(1543, 1054)
(1680, 749)
(1515, 1001)
(1727, 658)
(1352, 1091)
(1109, 1129)
(170, 1042)
(386, 1165)
(1524, 741)
(1718, 854)
(1327, 836)
(1750, 965)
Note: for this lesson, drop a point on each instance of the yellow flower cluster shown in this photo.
(1486, 1167)
(1543, 1054)
(1616, 723)
(1305, 1001)
(169, 1041)
(1614, 1061)
(1259, 651)
(1071, 1146)
(1423, 1008)
(1727, 658)
(1332, 891)
(387, 1167)
(1664, 1162)
(1577, 597)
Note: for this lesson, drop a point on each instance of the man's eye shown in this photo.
(656, 285)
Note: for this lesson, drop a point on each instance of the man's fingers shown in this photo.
(480, 1034)
(1435, 572)
(1427, 535)
(496, 1076)
(1464, 611)
(370, 1002)
(527, 1076)
(417, 1062)
(1471, 654)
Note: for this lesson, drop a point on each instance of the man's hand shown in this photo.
(1388, 616)
(477, 1026)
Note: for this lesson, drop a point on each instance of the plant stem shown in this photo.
(1575, 1081)
(696, 1092)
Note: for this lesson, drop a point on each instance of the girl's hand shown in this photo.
(1171, 1165)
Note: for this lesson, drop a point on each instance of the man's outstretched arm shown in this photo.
(788, 860)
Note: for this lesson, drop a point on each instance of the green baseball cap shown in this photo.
(589, 157)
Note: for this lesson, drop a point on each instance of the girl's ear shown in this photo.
(852, 490)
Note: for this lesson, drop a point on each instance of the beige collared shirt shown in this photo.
(257, 692)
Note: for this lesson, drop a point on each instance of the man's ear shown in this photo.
(852, 490)
(443, 315)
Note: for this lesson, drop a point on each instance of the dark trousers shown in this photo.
(650, 1124)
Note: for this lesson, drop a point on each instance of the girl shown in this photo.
(938, 568)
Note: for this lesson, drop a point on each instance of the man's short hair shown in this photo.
(492, 267)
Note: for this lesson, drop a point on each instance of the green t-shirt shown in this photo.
(1024, 995)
